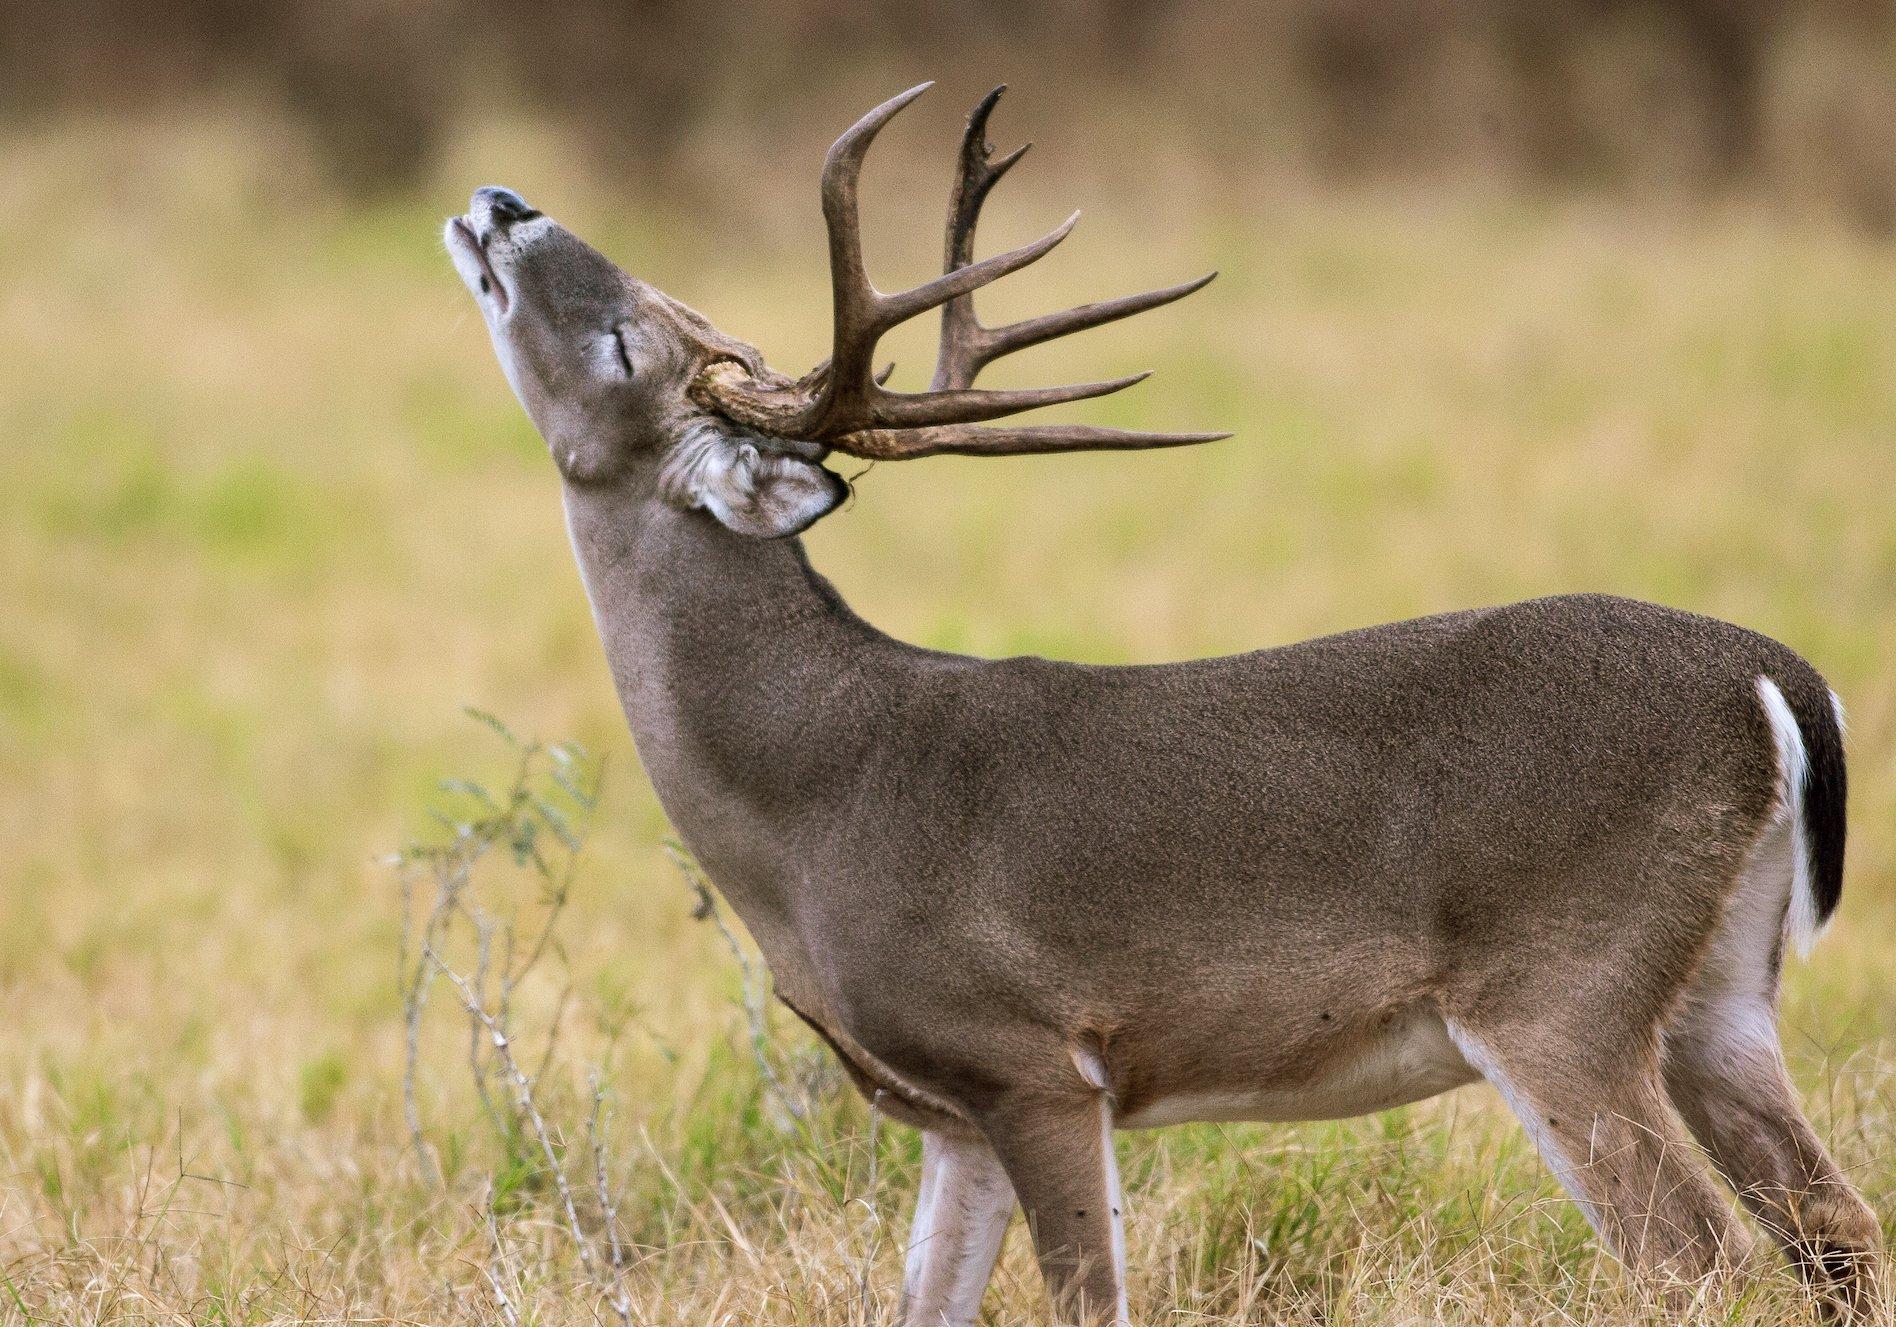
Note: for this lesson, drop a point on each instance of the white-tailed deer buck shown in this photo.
(1560, 845)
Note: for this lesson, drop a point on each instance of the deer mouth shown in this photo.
(464, 235)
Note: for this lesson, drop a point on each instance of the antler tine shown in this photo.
(958, 360)
(849, 399)
(853, 298)
(979, 440)
(966, 405)
(851, 402)
(965, 280)
(966, 346)
(977, 175)
(1032, 331)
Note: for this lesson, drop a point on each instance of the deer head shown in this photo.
(625, 383)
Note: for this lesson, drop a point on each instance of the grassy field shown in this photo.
(269, 520)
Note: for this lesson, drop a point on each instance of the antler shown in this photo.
(843, 403)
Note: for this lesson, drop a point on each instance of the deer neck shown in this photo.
(748, 684)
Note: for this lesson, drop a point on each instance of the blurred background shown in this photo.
(1791, 102)
(1516, 298)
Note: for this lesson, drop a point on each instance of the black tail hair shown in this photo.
(1825, 785)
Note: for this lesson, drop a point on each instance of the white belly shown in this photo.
(1410, 1059)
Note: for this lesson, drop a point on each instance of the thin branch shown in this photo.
(548, 839)
(502, 1301)
(867, 1264)
(596, 1121)
(523, 1090)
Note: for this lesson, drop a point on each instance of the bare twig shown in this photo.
(543, 839)
(874, 1242)
(483, 956)
(450, 873)
(529, 1108)
(608, 1205)
(414, 997)
(503, 1303)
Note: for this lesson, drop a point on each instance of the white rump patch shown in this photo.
(1801, 926)
(1727, 1017)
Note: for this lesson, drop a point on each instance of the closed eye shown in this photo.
(618, 345)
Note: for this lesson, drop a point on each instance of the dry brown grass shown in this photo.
(267, 520)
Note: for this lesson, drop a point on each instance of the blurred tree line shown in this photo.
(1793, 98)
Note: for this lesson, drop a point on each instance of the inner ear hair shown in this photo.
(706, 448)
(751, 482)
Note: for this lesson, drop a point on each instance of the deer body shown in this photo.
(911, 834)
(1558, 845)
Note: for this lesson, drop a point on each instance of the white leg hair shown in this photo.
(1093, 1070)
(1117, 1206)
(961, 1216)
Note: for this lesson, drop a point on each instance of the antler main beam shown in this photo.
(844, 404)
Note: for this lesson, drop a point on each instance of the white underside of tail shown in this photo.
(1801, 927)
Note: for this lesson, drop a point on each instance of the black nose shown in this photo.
(504, 206)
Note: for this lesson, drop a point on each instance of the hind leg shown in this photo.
(1725, 1072)
(1599, 1118)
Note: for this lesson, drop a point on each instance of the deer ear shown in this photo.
(748, 484)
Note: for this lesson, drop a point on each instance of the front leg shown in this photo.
(1059, 1154)
(961, 1216)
